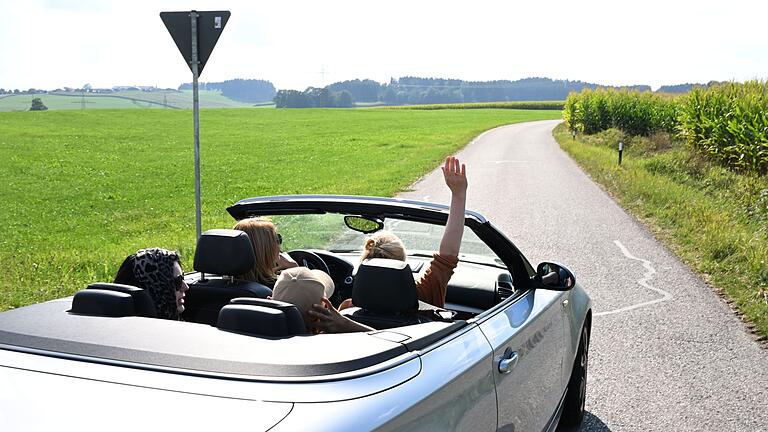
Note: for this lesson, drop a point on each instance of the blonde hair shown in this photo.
(384, 244)
(266, 248)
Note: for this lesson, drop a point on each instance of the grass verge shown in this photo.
(714, 219)
(83, 189)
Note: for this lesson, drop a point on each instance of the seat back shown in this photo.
(384, 292)
(261, 317)
(221, 255)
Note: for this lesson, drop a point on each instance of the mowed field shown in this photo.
(120, 100)
(83, 189)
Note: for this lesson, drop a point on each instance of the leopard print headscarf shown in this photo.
(153, 269)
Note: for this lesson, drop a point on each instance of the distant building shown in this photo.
(124, 88)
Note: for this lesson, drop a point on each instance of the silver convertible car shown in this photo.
(507, 352)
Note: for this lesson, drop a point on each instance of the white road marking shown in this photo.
(642, 281)
(426, 198)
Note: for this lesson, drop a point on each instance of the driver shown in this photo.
(266, 247)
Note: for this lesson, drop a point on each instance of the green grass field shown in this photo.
(83, 189)
(714, 219)
(120, 100)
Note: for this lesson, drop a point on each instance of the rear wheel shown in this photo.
(576, 395)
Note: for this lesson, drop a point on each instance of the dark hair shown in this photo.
(125, 273)
(152, 270)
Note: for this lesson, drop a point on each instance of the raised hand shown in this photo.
(455, 175)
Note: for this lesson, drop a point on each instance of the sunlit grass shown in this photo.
(83, 189)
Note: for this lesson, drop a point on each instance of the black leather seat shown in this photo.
(384, 293)
(221, 255)
(113, 300)
(261, 317)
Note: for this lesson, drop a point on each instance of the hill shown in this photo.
(169, 99)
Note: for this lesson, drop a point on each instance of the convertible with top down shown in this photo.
(508, 351)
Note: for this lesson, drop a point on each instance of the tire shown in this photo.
(576, 395)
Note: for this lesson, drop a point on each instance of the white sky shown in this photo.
(55, 43)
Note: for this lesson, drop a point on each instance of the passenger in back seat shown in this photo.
(158, 272)
(304, 288)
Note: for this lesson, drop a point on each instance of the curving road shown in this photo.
(667, 353)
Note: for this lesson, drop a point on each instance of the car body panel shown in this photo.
(531, 328)
(454, 391)
(37, 401)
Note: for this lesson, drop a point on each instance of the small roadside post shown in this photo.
(195, 34)
(621, 149)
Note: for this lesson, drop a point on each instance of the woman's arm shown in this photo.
(455, 175)
(329, 320)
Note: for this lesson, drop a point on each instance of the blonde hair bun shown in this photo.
(384, 244)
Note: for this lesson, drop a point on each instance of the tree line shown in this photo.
(418, 91)
(241, 90)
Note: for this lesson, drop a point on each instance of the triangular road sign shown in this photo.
(210, 24)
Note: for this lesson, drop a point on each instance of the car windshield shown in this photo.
(329, 232)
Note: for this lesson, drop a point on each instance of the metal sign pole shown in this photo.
(196, 116)
(204, 29)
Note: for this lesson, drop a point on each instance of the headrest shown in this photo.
(385, 285)
(224, 252)
(291, 311)
(103, 303)
(257, 320)
(142, 301)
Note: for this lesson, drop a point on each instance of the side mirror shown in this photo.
(363, 224)
(553, 276)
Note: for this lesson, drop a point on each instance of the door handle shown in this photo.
(508, 361)
(565, 303)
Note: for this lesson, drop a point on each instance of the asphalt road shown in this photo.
(667, 354)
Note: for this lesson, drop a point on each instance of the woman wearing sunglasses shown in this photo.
(266, 246)
(158, 272)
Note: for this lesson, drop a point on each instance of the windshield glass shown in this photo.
(329, 232)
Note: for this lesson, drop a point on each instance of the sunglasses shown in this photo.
(279, 239)
(178, 281)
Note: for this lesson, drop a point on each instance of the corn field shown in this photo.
(727, 122)
(635, 113)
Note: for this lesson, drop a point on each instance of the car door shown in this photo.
(528, 338)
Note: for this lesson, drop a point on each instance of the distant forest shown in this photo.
(411, 91)
(415, 91)
(241, 90)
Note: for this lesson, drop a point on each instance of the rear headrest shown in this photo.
(103, 303)
(142, 301)
(385, 285)
(291, 311)
(258, 320)
(224, 252)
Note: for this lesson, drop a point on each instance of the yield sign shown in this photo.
(210, 24)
